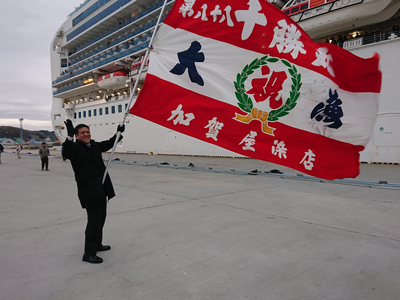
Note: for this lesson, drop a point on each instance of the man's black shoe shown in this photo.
(104, 248)
(93, 259)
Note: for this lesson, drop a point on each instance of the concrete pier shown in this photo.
(184, 234)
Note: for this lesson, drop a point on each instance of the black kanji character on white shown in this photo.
(187, 60)
(329, 111)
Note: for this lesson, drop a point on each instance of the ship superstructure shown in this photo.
(97, 52)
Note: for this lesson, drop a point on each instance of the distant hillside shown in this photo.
(13, 133)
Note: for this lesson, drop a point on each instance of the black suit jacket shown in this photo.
(89, 169)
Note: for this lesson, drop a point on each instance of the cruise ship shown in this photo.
(97, 52)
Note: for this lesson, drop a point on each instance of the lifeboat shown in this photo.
(135, 67)
(319, 18)
(296, 6)
(112, 80)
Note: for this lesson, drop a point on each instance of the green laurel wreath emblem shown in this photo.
(244, 101)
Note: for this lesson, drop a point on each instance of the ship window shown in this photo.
(74, 115)
(304, 6)
(100, 112)
(84, 114)
(88, 11)
(120, 108)
(89, 113)
(64, 63)
(106, 110)
(113, 109)
(94, 112)
(295, 9)
(287, 11)
(80, 115)
(77, 19)
(126, 105)
(290, 3)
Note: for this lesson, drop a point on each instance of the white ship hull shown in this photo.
(384, 145)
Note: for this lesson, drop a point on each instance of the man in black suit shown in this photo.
(88, 166)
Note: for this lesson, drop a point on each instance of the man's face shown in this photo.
(83, 135)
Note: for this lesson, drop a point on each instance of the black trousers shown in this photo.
(96, 217)
(45, 161)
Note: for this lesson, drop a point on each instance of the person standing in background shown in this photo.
(19, 151)
(1, 150)
(396, 29)
(44, 153)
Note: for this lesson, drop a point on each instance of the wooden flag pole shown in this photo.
(134, 88)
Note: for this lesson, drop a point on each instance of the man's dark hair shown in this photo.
(79, 126)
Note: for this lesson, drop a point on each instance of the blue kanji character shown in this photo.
(187, 60)
(329, 111)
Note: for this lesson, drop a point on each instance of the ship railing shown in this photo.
(62, 90)
(97, 5)
(103, 15)
(100, 16)
(116, 42)
(371, 38)
(79, 7)
(111, 44)
(72, 72)
(107, 54)
(99, 64)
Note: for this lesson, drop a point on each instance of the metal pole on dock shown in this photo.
(21, 132)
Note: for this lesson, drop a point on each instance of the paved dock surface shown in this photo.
(181, 234)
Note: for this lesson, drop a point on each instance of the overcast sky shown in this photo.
(27, 30)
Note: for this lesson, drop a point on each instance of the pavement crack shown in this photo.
(147, 207)
(84, 220)
(229, 193)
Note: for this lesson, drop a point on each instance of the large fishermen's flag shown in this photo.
(242, 75)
